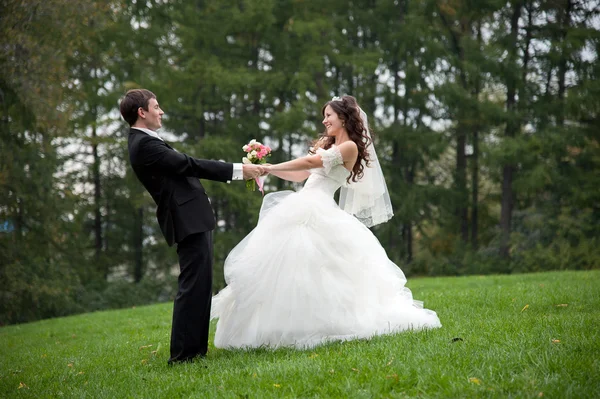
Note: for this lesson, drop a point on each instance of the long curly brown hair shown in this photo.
(348, 111)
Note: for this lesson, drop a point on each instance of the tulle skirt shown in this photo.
(310, 273)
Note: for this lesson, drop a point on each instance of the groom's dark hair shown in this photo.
(134, 99)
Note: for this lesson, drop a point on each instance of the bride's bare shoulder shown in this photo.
(348, 146)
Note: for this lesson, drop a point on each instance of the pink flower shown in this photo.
(256, 151)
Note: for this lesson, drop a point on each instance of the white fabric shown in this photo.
(148, 132)
(330, 159)
(310, 273)
(368, 198)
(238, 172)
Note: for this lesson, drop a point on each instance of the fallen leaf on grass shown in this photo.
(525, 307)
(475, 380)
(70, 365)
(144, 361)
(394, 376)
(540, 394)
(277, 385)
(562, 305)
(145, 346)
(80, 373)
(22, 385)
(556, 341)
(357, 370)
(332, 371)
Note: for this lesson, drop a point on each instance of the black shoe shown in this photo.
(189, 359)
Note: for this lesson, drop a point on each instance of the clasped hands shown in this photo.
(252, 171)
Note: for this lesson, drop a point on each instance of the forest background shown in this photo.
(486, 117)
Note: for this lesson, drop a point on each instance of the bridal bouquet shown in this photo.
(256, 153)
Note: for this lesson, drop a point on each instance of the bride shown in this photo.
(311, 271)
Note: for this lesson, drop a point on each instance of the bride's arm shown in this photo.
(295, 176)
(294, 170)
(348, 150)
(298, 164)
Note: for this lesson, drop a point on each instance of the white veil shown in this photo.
(368, 198)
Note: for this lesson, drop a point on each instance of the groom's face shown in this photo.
(152, 117)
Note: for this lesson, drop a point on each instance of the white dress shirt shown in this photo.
(238, 172)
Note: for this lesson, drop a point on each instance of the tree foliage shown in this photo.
(486, 120)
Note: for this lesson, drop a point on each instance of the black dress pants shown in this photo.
(191, 310)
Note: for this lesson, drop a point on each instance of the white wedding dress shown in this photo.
(310, 273)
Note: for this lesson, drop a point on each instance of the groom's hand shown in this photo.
(252, 171)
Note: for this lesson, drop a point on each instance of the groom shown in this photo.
(184, 214)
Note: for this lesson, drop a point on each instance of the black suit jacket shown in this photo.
(171, 178)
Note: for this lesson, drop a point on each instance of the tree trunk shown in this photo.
(475, 165)
(512, 126)
(408, 236)
(280, 182)
(197, 98)
(138, 243)
(475, 189)
(107, 225)
(461, 209)
(393, 238)
(562, 64)
(97, 191)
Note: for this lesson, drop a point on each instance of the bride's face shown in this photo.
(332, 122)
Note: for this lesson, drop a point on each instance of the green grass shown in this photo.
(515, 342)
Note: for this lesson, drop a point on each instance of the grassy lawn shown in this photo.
(521, 336)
